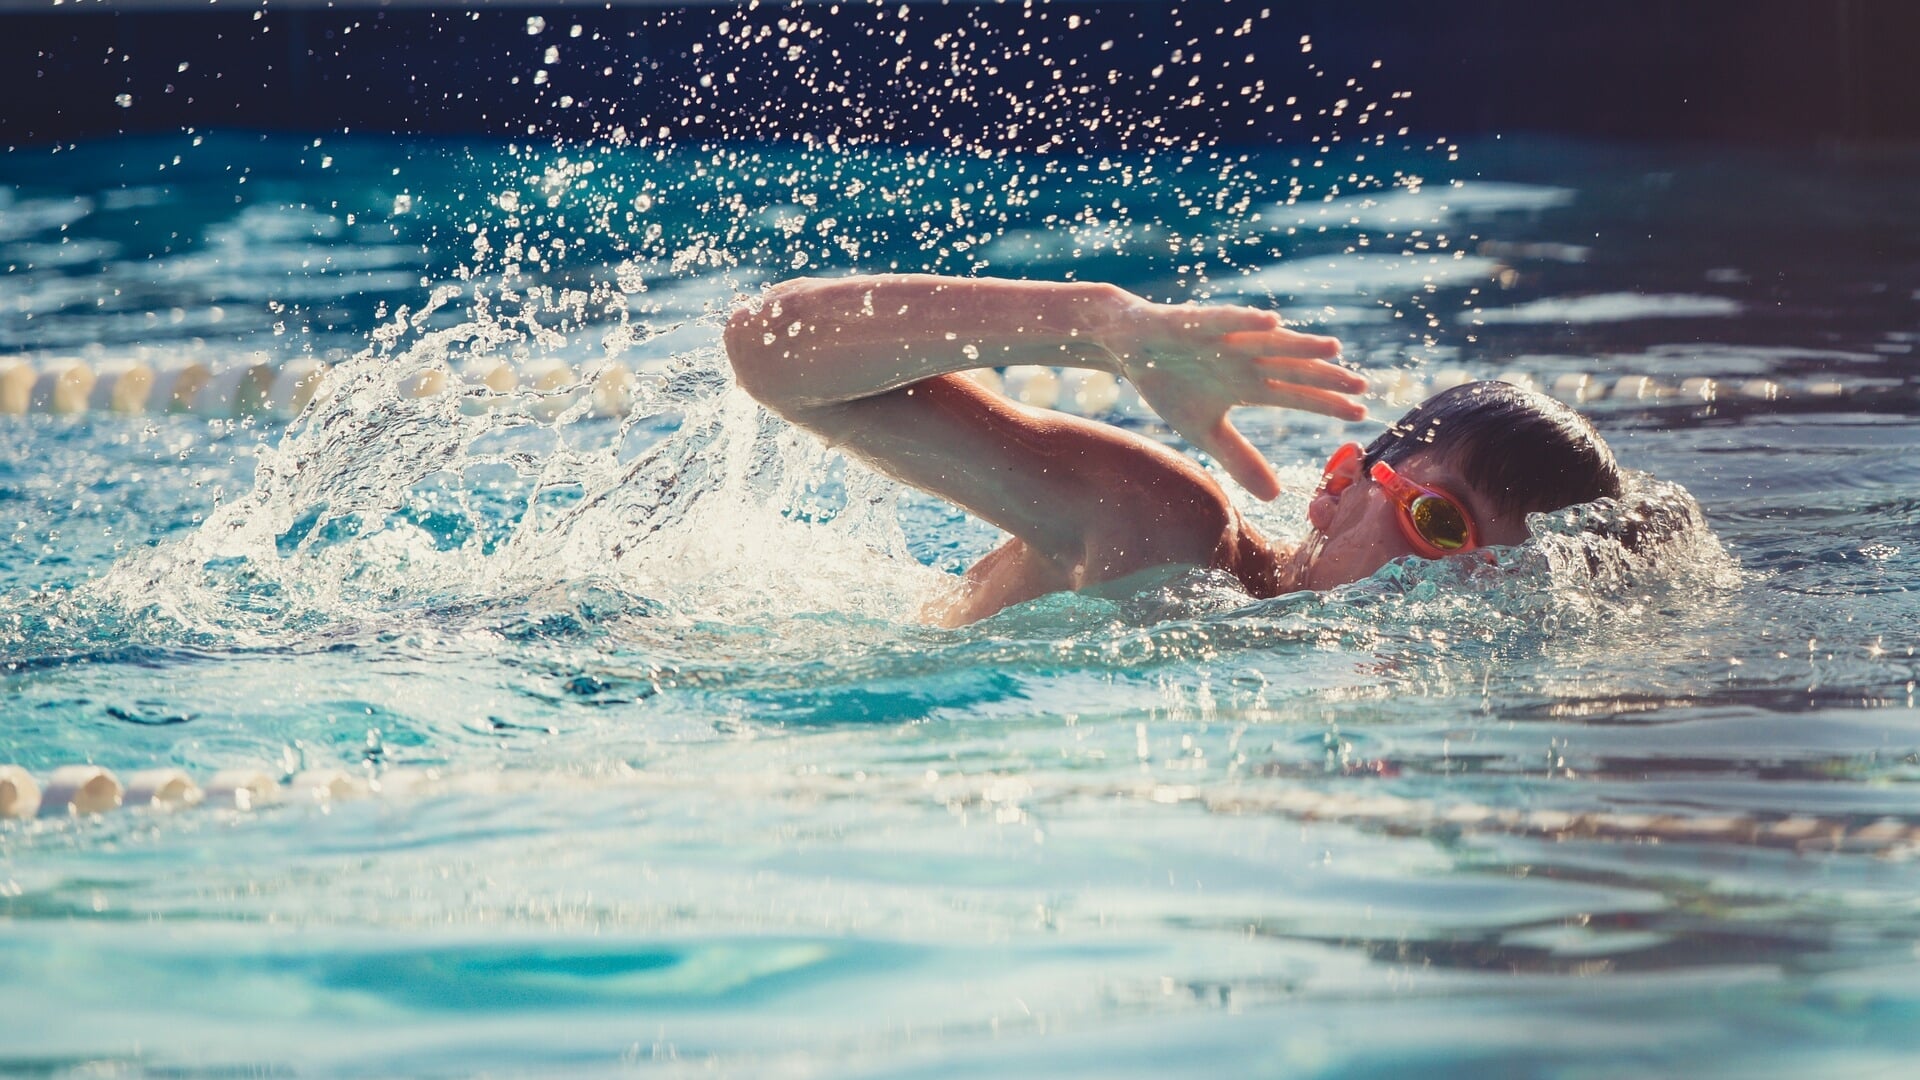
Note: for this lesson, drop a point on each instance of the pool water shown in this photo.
(671, 777)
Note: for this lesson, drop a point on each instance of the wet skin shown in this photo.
(1357, 531)
(1352, 534)
(873, 366)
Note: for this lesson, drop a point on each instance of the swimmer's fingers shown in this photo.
(1214, 319)
(1282, 344)
(1303, 371)
(1289, 395)
(1235, 454)
(1226, 320)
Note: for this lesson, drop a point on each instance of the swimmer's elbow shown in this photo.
(764, 358)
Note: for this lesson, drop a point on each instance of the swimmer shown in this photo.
(874, 366)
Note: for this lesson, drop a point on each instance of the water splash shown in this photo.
(380, 510)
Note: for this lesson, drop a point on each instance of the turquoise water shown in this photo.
(673, 778)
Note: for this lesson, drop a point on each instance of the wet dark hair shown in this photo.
(1523, 452)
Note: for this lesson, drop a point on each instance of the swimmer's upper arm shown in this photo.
(1097, 499)
(871, 365)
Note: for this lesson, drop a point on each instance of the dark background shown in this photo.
(1750, 70)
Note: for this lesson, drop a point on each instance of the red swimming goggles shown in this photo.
(1435, 523)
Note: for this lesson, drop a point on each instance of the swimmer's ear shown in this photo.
(1343, 468)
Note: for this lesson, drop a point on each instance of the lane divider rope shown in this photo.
(549, 386)
(76, 791)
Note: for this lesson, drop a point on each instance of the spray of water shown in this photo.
(380, 509)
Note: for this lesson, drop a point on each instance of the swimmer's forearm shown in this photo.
(815, 342)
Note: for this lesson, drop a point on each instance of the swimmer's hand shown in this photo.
(1193, 362)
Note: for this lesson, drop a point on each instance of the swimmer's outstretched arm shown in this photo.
(868, 363)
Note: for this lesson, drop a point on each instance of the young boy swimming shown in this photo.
(872, 365)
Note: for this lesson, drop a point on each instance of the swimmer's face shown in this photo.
(1357, 525)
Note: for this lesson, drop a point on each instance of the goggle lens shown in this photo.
(1430, 518)
(1439, 522)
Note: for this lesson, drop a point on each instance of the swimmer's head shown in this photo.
(1462, 470)
(1522, 451)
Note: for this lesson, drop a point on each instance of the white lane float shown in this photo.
(612, 389)
(16, 385)
(1636, 388)
(492, 372)
(177, 385)
(161, 789)
(74, 790)
(989, 378)
(240, 390)
(83, 790)
(121, 386)
(294, 386)
(1575, 388)
(327, 786)
(1401, 388)
(1031, 384)
(486, 383)
(553, 382)
(19, 793)
(1087, 393)
(424, 383)
(1700, 389)
(242, 789)
(1518, 378)
(546, 387)
(61, 387)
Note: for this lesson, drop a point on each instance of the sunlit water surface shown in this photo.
(710, 797)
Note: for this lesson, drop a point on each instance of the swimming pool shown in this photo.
(672, 778)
